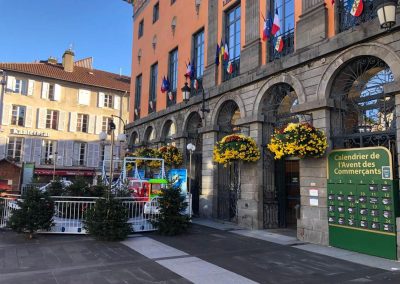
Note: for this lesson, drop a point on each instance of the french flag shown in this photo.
(189, 70)
(164, 85)
(279, 44)
(267, 29)
(229, 69)
(276, 26)
(356, 7)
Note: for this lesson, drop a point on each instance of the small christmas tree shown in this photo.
(107, 220)
(172, 220)
(35, 213)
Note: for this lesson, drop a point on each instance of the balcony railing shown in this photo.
(46, 161)
(136, 114)
(348, 21)
(193, 91)
(152, 106)
(288, 46)
(171, 98)
(235, 69)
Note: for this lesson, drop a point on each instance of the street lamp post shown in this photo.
(191, 148)
(54, 165)
(186, 96)
(386, 10)
(3, 83)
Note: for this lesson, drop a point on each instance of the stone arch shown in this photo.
(147, 132)
(282, 78)
(134, 138)
(383, 52)
(230, 97)
(170, 121)
(187, 117)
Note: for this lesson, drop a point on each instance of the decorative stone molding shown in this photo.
(228, 97)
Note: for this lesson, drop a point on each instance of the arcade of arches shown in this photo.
(348, 98)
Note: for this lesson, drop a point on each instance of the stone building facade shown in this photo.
(334, 59)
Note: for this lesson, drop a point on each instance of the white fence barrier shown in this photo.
(69, 212)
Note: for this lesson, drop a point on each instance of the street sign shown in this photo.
(363, 201)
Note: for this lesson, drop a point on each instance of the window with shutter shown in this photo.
(41, 119)
(45, 90)
(73, 117)
(48, 152)
(62, 120)
(31, 86)
(3, 143)
(52, 119)
(14, 149)
(28, 145)
(10, 84)
(82, 124)
(117, 102)
(69, 153)
(60, 152)
(29, 116)
(57, 92)
(18, 115)
(100, 99)
(84, 97)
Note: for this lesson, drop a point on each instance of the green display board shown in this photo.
(363, 201)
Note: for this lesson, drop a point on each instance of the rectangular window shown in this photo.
(14, 149)
(21, 86)
(156, 12)
(173, 69)
(108, 100)
(82, 154)
(82, 123)
(141, 29)
(18, 115)
(138, 96)
(51, 92)
(153, 87)
(52, 119)
(48, 152)
(105, 123)
(198, 58)
(232, 37)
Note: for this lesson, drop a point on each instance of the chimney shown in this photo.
(68, 60)
(52, 60)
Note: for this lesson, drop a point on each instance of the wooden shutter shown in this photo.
(45, 90)
(57, 92)
(92, 122)
(117, 102)
(31, 87)
(69, 152)
(99, 124)
(62, 119)
(76, 155)
(84, 97)
(37, 151)
(93, 154)
(100, 99)
(28, 145)
(73, 117)
(7, 112)
(29, 116)
(96, 155)
(3, 146)
(107, 153)
(41, 118)
(60, 152)
(10, 83)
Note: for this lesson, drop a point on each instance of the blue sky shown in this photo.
(36, 29)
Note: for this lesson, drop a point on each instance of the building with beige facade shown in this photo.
(53, 113)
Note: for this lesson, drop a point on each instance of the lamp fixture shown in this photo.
(386, 10)
(197, 5)
(186, 92)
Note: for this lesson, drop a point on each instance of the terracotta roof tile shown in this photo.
(80, 75)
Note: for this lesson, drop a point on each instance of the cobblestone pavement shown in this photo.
(204, 255)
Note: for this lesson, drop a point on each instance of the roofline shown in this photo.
(98, 86)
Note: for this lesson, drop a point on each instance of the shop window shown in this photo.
(82, 154)
(14, 149)
(18, 115)
(82, 123)
(52, 119)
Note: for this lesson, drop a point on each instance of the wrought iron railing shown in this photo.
(347, 20)
(288, 45)
(235, 69)
(193, 90)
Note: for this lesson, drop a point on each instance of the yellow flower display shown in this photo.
(298, 139)
(171, 155)
(146, 153)
(236, 147)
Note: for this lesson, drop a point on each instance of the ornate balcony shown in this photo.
(288, 46)
(235, 72)
(348, 21)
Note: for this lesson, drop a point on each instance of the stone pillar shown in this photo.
(210, 72)
(251, 53)
(250, 203)
(313, 224)
(208, 201)
(312, 26)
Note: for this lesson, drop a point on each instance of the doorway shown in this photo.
(287, 176)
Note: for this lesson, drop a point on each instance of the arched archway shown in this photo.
(363, 116)
(281, 178)
(228, 181)
(134, 140)
(193, 124)
(149, 136)
(168, 132)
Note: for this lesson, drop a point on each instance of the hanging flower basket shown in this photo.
(147, 153)
(298, 139)
(171, 155)
(236, 147)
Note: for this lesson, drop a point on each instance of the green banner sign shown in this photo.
(362, 201)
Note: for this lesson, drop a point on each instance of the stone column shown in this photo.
(312, 26)
(210, 72)
(251, 53)
(250, 203)
(313, 224)
(208, 201)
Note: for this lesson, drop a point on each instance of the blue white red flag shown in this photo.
(267, 28)
(189, 70)
(356, 7)
(279, 44)
(276, 25)
(164, 85)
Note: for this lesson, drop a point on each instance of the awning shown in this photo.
(49, 172)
